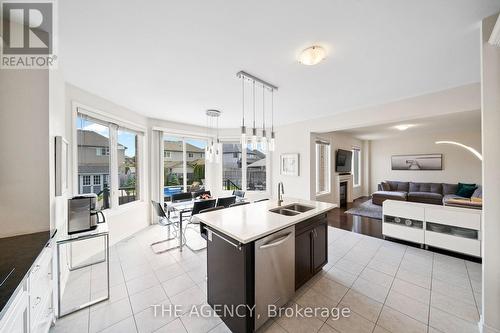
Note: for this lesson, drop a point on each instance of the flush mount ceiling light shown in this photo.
(472, 150)
(403, 127)
(312, 55)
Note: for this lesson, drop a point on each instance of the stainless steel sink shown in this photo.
(291, 210)
(284, 211)
(298, 207)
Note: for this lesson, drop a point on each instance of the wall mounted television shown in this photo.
(343, 161)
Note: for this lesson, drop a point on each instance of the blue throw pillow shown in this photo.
(466, 190)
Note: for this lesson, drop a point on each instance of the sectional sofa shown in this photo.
(429, 193)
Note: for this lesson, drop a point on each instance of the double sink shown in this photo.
(291, 209)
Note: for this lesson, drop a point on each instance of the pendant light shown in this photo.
(263, 141)
(214, 149)
(254, 129)
(271, 142)
(265, 144)
(243, 127)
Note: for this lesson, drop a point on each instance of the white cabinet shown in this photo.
(16, 319)
(450, 228)
(31, 310)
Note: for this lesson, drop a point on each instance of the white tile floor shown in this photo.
(388, 286)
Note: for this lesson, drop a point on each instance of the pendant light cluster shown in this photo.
(213, 151)
(268, 88)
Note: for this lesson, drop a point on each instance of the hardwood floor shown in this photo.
(361, 225)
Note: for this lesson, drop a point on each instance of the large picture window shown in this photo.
(184, 165)
(106, 152)
(93, 166)
(127, 166)
(232, 160)
(256, 169)
(323, 169)
(356, 166)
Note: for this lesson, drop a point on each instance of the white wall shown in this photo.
(491, 153)
(459, 165)
(295, 138)
(24, 147)
(337, 141)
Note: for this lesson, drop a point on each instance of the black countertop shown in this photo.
(17, 255)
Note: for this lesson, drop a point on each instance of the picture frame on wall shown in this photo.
(417, 162)
(289, 164)
(61, 165)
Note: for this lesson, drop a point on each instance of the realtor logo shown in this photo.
(27, 35)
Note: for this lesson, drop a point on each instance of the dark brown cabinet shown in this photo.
(311, 253)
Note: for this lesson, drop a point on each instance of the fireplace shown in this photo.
(343, 193)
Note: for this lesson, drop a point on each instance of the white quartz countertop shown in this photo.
(253, 221)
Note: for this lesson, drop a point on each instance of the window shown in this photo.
(127, 166)
(322, 167)
(256, 169)
(106, 152)
(356, 166)
(185, 168)
(231, 166)
(195, 168)
(92, 134)
(102, 151)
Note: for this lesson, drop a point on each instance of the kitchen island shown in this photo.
(259, 254)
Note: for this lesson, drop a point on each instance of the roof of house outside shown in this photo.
(229, 148)
(93, 169)
(258, 164)
(177, 146)
(93, 139)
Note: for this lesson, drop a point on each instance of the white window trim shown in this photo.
(359, 167)
(114, 123)
(244, 167)
(328, 189)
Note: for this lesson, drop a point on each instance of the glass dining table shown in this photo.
(183, 209)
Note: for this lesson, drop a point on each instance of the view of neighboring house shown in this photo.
(173, 162)
(232, 162)
(93, 157)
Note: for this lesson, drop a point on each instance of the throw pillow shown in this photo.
(460, 185)
(386, 186)
(466, 190)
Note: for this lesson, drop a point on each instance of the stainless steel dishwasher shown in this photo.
(274, 272)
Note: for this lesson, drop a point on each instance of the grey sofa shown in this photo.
(430, 193)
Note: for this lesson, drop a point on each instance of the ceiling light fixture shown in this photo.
(472, 150)
(214, 149)
(265, 144)
(312, 55)
(403, 127)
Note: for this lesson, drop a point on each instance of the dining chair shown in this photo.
(183, 196)
(241, 203)
(164, 221)
(226, 202)
(198, 207)
(260, 200)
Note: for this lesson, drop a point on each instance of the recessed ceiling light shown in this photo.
(403, 127)
(312, 55)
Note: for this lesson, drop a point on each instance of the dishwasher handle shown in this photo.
(277, 241)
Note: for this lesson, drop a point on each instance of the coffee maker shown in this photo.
(82, 213)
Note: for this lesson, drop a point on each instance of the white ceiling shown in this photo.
(469, 121)
(174, 59)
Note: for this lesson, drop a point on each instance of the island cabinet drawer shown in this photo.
(453, 243)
